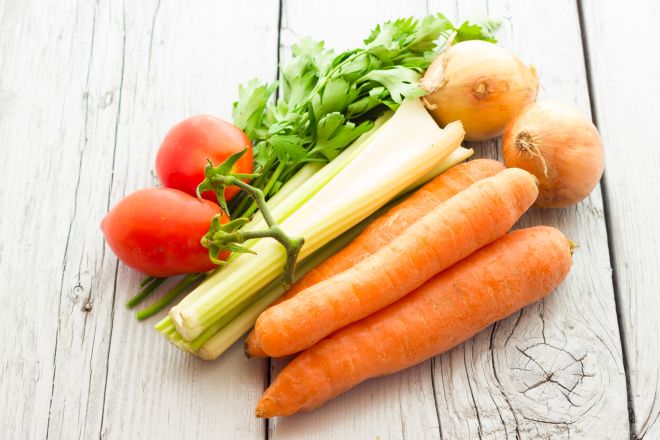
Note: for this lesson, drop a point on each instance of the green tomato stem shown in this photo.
(266, 191)
(229, 236)
(243, 206)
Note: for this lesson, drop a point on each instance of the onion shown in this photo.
(559, 145)
(481, 84)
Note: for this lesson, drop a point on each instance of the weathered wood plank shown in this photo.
(46, 264)
(74, 109)
(180, 59)
(555, 369)
(89, 270)
(624, 80)
(402, 405)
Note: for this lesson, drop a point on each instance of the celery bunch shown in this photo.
(328, 100)
(326, 112)
(405, 149)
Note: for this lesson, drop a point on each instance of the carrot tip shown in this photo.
(252, 348)
(264, 408)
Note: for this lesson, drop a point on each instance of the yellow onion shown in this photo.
(559, 145)
(481, 84)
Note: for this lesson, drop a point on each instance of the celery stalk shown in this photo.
(212, 347)
(216, 339)
(221, 341)
(220, 336)
(292, 185)
(298, 196)
(289, 188)
(300, 188)
(405, 148)
(457, 156)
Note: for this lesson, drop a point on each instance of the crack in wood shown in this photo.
(269, 363)
(496, 376)
(586, 51)
(499, 414)
(68, 236)
(403, 419)
(474, 401)
(648, 424)
(109, 195)
(435, 396)
(151, 36)
(562, 377)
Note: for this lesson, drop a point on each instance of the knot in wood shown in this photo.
(553, 378)
(551, 373)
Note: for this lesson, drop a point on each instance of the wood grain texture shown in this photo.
(625, 88)
(87, 92)
(46, 260)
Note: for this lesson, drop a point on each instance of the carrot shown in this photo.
(453, 230)
(386, 227)
(516, 270)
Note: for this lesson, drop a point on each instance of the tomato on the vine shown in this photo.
(158, 230)
(186, 148)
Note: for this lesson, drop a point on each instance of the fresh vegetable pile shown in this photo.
(338, 222)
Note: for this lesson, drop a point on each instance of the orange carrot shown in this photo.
(516, 270)
(453, 230)
(386, 227)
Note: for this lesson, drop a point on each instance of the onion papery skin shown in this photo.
(481, 84)
(559, 145)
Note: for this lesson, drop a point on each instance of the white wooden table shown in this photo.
(87, 91)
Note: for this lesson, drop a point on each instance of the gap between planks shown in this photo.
(120, 92)
(268, 376)
(608, 224)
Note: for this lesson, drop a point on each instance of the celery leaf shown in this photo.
(399, 81)
(249, 109)
(334, 133)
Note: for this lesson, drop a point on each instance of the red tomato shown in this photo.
(184, 152)
(158, 230)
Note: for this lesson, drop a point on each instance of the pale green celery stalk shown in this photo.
(299, 196)
(279, 204)
(457, 156)
(218, 338)
(292, 185)
(175, 338)
(407, 147)
(257, 222)
(223, 333)
(298, 190)
(214, 340)
(166, 324)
